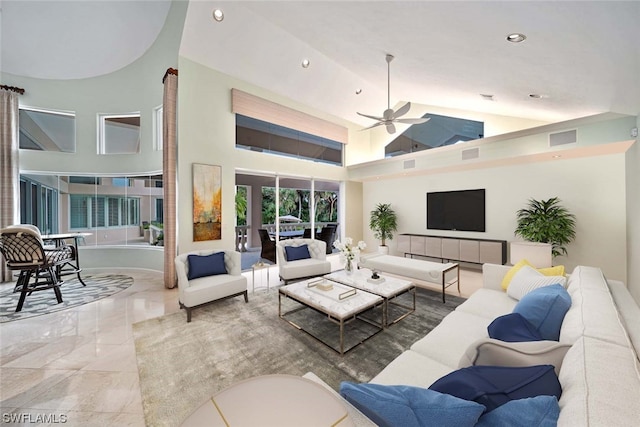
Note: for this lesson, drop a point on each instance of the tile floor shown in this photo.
(78, 366)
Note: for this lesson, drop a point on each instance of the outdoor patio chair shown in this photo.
(24, 251)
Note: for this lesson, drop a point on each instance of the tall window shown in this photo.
(38, 204)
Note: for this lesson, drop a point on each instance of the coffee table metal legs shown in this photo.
(340, 322)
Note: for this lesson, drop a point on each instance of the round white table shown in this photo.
(272, 400)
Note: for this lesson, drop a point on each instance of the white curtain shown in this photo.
(9, 167)
(169, 174)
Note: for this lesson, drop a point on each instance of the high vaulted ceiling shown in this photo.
(583, 57)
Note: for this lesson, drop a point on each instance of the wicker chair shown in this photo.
(24, 251)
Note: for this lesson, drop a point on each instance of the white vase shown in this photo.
(383, 250)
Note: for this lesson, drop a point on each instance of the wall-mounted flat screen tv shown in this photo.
(456, 210)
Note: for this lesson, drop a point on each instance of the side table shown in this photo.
(272, 400)
(260, 265)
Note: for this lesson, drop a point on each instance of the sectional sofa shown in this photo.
(596, 356)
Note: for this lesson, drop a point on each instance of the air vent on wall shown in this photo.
(409, 164)
(561, 138)
(471, 153)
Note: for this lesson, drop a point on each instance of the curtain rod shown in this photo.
(13, 89)
(169, 71)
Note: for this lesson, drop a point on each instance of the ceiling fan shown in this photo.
(389, 117)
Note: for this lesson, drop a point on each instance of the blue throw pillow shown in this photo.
(539, 411)
(206, 265)
(297, 252)
(408, 406)
(493, 386)
(545, 308)
(513, 327)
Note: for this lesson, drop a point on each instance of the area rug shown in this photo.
(182, 364)
(73, 294)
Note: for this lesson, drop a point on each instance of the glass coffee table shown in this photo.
(389, 288)
(337, 303)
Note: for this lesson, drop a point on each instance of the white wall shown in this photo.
(592, 188)
(207, 135)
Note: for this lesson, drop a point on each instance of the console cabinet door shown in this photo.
(433, 247)
(404, 244)
(470, 250)
(418, 245)
(491, 252)
(451, 249)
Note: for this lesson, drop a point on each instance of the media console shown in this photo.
(477, 251)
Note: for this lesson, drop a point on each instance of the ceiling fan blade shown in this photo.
(373, 125)
(413, 121)
(370, 117)
(391, 128)
(402, 110)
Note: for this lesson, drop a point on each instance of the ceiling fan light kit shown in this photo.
(389, 116)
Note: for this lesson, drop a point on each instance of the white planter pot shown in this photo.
(383, 250)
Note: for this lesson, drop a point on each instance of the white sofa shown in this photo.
(599, 373)
(317, 265)
(203, 290)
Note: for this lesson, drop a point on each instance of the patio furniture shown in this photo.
(268, 251)
(24, 251)
(207, 276)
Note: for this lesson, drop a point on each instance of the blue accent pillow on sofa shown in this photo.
(493, 386)
(206, 265)
(408, 406)
(539, 411)
(513, 327)
(295, 253)
(545, 308)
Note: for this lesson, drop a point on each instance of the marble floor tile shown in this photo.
(19, 386)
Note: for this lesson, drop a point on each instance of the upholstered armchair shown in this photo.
(208, 275)
(294, 262)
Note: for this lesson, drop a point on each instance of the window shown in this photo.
(39, 203)
(257, 135)
(88, 211)
(46, 130)
(119, 134)
(439, 131)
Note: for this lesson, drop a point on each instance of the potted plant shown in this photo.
(546, 221)
(383, 222)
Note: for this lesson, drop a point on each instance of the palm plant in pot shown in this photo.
(383, 222)
(547, 221)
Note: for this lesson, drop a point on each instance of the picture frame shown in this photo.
(207, 202)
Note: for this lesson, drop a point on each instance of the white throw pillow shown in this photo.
(528, 279)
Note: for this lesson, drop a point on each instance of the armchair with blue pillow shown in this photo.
(209, 275)
(301, 258)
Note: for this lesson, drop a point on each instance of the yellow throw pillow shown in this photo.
(507, 277)
(558, 270)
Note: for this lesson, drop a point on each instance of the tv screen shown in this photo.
(456, 210)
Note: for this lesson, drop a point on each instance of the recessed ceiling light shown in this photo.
(218, 15)
(557, 156)
(358, 91)
(305, 63)
(486, 96)
(516, 38)
(536, 96)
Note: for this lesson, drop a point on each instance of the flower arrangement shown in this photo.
(349, 251)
